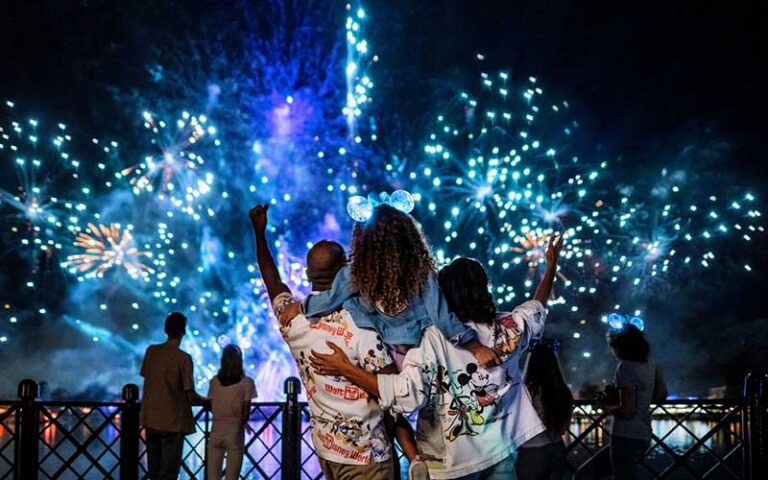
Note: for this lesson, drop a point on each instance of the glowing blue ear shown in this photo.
(359, 208)
(616, 321)
(402, 200)
(637, 322)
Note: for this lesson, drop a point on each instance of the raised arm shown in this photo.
(269, 272)
(544, 289)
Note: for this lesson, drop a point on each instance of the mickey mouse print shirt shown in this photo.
(470, 418)
(347, 425)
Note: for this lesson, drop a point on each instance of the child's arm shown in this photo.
(323, 303)
(544, 289)
(269, 272)
(453, 329)
(406, 438)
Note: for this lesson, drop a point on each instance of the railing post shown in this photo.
(756, 426)
(129, 433)
(27, 432)
(291, 441)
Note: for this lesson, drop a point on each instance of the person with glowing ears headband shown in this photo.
(390, 284)
(638, 383)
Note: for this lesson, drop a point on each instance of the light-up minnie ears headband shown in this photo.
(361, 208)
(617, 322)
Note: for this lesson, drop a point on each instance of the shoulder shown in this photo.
(184, 356)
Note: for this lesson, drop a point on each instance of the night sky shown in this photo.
(646, 77)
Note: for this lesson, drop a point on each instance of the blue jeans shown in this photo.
(504, 470)
(164, 451)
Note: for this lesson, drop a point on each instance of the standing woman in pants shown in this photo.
(230, 394)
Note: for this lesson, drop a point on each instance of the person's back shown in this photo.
(347, 424)
(641, 377)
(230, 393)
(227, 402)
(639, 382)
(470, 418)
(165, 405)
(166, 410)
(544, 456)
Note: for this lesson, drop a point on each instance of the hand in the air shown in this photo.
(288, 313)
(553, 249)
(330, 364)
(258, 215)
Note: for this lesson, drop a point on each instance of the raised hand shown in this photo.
(553, 249)
(258, 216)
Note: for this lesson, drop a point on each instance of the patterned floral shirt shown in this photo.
(347, 425)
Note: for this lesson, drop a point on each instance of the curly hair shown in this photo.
(464, 283)
(391, 261)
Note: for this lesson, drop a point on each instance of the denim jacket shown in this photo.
(404, 328)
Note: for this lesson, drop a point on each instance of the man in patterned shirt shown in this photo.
(347, 426)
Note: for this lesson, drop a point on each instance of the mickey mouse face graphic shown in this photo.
(479, 384)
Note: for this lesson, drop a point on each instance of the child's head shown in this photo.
(324, 260)
(629, 344)
(231, 370)
(391, 261)
(544, 377)
(464, 283)
(175, 325)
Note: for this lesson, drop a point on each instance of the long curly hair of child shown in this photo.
(391, 261)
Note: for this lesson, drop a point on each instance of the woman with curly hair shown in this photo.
(391, 286)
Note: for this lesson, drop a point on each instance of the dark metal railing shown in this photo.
(702, 439)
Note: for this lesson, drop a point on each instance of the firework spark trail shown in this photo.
(503, 170)
(499, 174)
(176, 175)
(106, 247)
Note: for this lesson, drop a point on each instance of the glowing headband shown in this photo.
(617, 322)
(361, 208)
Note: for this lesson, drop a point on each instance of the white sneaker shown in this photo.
(417, 470)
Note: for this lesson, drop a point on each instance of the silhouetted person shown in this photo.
(230, 393)
(169, 391)
(639, 383)
(543, 456)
